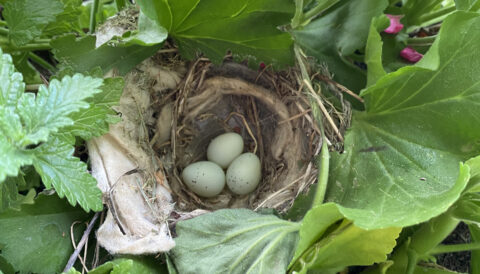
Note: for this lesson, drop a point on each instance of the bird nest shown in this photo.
(265, 108)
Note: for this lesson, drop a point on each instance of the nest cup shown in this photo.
(265, 108)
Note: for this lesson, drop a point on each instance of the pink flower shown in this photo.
(395, 25)
(262, 66)
(411, 55)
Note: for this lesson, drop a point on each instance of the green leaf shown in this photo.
(27, 18)
(234, 241)
(11, 158)
(373, 51)
(94, 121)
(467, 5)
(159, 11)
(23, 65)
(82, 56)
(400, 165)
(67, 21)
(415, 11)
(339, 33)
(324, 233)
(48, 111)
(8, 193)
(249, 29)
(11, 82)
(149, 33)
(37, 238)
(57, 166)
(131, 264)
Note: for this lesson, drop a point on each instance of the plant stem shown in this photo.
(322, 174)
(437, 14)
(120, 4)
(37, 59)
(3, 23)
(33, 46)
(93, 16)
(432, 233)
(297, 18)
(419, 41)
(4, 31)
(455, 248)
(321, 7)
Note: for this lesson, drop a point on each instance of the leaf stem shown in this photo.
(3, 23)
(4, 31)
(297, 18)
(321, 7)
(42, 62)
(93, 16)
(455, 248)
(120, 4)
(419, 41)
(322, 174)
(438, 14)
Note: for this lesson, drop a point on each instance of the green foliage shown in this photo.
(26, 19)
(37, 238)
(329, 38)
(148, 33)
(38, 120)
(373, 50)
(234, 241)
(247, 28)
(129, 265)
(401, 162)
(67, 20)
(81, 54)
(329, 243)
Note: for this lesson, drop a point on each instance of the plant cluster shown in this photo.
(408, 174)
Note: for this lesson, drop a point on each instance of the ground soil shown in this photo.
(459, 261)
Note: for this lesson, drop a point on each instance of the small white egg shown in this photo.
(224, 148)
(204, 178)
(244, 174)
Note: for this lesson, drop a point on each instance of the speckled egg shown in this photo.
(205, 178)
(224, 148)
(244, 174)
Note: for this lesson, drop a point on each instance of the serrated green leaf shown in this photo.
(11, 82)
(82, 56)
(339, 33)
(329, 246)
(249, 29)
(11, 158)
(400, 165)
(94, 121)
(37, 238)
(27, 18)
(57, 166)
(66, 21)
(48, 111)
(234, 241)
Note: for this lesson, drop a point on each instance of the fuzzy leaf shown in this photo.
(27, 18)
(94, 121)
(66, 21)
(57, 166)
(11, 158)
(339, 33)
(401, 160)
(82, 56)
(48, 111)
(234, 241)
(37, 238)
(11, 82)
(247, 28)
